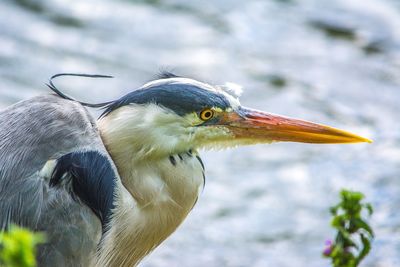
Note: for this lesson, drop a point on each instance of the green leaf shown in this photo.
(369, 208)
(363, 225)
(18, 247)
(366, 249)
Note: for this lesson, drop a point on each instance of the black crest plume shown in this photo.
(61, 94)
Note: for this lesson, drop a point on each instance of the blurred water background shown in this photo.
(335, 62)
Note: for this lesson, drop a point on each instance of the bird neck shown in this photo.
(159, 190)
(154, 201)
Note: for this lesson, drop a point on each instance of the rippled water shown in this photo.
(334, 62)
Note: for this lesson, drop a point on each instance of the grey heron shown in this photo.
(107, 192)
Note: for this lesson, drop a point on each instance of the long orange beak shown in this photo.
(261, 126)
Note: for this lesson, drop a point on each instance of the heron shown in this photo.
(107, 192)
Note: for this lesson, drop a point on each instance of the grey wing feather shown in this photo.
(31, 133)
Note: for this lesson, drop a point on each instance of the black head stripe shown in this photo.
(178, 97)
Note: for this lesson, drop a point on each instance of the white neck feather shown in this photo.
(144, 131)
(156, 194)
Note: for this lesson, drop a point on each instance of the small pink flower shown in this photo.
(328, 247)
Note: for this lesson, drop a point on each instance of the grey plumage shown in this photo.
(43, 129)
(31, 133)
(85, 228)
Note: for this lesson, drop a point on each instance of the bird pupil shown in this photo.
(206, 114)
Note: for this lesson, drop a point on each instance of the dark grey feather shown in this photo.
(91, 179)
(31, 133)
(166, 75)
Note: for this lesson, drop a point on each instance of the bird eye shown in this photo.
(206, 114)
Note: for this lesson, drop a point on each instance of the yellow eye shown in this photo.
(206, 114)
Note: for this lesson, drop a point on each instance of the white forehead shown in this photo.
(231, 91)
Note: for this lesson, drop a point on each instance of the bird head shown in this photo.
(174, 114)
